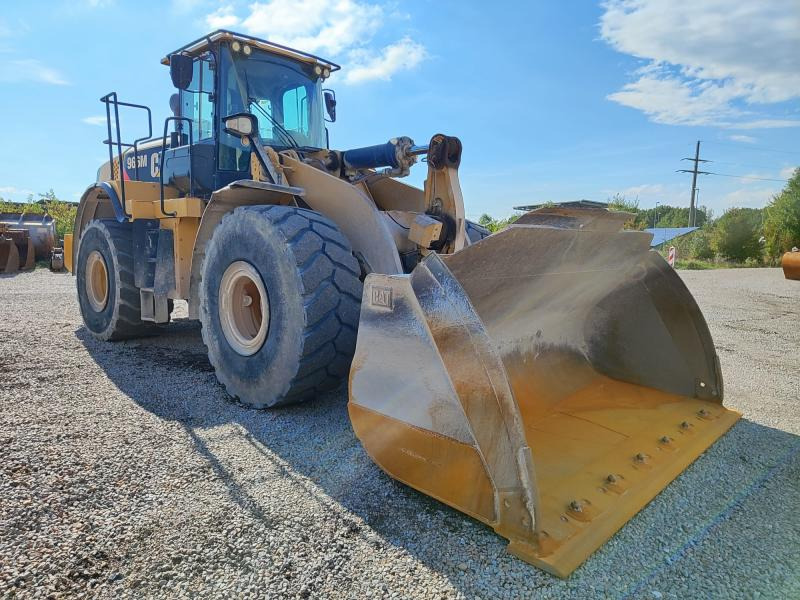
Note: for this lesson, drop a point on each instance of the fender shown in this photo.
(353, 210)
(99, 201)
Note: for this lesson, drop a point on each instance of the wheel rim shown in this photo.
(243, 308)
(96, 281)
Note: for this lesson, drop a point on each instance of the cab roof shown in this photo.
(202, 44)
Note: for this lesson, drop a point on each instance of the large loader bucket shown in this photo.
(791, 264)
(41, 231)
(549, 381)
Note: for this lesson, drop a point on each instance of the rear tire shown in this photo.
(279, 302)
(108, 299)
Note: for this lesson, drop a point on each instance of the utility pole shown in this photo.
(695, 172)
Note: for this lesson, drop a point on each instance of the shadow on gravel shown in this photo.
(170, 376)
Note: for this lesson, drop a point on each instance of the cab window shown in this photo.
(295, 110)
(196, 101)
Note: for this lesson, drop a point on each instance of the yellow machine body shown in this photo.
(791, 265)
(68, 265)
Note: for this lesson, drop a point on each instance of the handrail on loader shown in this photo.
(161, 162)
(110, 141)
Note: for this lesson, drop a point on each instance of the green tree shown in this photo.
(696, 244)
(736, 234)
(782, 219)
(618, 202)
(495, 225)
(660, 216)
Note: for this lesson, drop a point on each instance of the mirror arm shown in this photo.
(258, 145)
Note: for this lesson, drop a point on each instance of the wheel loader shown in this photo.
(548, 380)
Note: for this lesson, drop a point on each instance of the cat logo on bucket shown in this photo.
(381, 296)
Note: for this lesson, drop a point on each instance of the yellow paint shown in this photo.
(791, 265)
(184, 231)
(143, 201)
(641, 437)
(439, 466)
(600, 455)
(68, 252)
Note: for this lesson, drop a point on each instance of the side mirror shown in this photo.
(330, 104)
(180, 70)
(241, 124)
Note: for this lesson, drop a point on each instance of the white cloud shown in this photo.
(10, 189)
(95, 120)
(333, 27)
(645, 189)
(749, 197)
(401, 56)
(29, 69)
(787, 172)
(315, 25)
(765, 124)
(753, 178)
(222, 18)
(747, 139)
(707, 63)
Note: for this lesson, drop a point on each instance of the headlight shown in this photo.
(236, 46)
(247, 50)
(317, 70)
(326, 73)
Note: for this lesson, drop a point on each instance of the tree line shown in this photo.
(739, 235)
(63, 213)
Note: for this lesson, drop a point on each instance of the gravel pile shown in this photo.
(125, 472)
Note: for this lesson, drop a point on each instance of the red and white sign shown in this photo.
(671, 257)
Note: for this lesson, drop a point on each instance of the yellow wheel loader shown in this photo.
(548, 380)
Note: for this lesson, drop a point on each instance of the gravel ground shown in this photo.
(126, 472)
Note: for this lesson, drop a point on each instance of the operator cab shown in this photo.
(227, 73)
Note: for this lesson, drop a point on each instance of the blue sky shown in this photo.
(553, 100)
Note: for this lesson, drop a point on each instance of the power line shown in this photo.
(696, 171)
(751, 146)
(741, 176)
(746, 165)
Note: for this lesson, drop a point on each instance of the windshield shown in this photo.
(284, 95)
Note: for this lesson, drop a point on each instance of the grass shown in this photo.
(696, 264)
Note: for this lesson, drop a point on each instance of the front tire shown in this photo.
(279, 303)
(108, 299)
